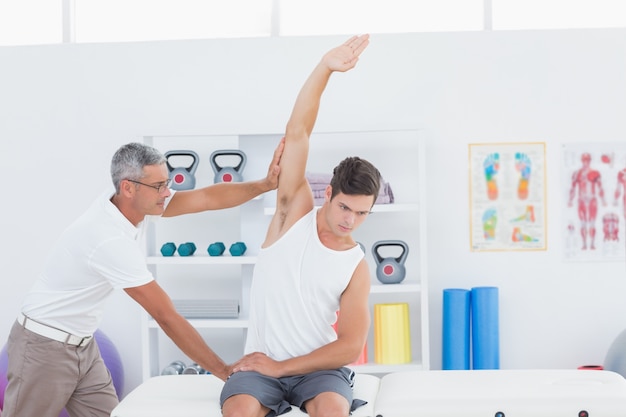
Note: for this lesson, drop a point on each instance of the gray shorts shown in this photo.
(278, 394)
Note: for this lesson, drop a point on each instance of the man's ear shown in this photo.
(328, 193)
(127, 188)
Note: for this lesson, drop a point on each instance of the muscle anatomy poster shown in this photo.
(507, 196)
(594, 200)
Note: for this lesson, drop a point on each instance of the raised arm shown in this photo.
(294, 197)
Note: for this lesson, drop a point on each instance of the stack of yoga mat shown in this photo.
(470, 327)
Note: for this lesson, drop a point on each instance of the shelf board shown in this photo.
(378, 208)
(402, 287)
(201, 260)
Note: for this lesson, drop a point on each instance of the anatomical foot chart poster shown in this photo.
(507, 184)
(594, 197)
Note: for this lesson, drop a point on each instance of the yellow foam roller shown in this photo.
(392, 334)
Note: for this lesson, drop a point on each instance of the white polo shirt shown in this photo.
(100, 252)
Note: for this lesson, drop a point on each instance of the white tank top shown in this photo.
(296, 288)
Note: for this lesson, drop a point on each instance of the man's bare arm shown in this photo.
(158, 304)
(225, 195)
(294, 197)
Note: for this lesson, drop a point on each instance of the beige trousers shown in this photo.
(45, 376)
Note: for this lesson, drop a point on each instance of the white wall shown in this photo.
(64, 110)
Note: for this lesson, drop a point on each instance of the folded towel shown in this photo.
(319, 182)
(381, 199)
(384, 199)
(318, 194)
(318, 178)
(318, 187)
(385, 194)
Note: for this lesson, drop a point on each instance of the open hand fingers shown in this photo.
(358, 44)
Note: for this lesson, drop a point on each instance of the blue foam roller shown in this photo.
(485, 328)
(456, 329)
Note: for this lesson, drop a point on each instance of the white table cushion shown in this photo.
(172, 396)
(199, 396)
(514, 393)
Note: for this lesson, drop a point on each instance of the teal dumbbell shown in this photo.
(216, 249)
(187, 249)
(237, 249)
(168, 249)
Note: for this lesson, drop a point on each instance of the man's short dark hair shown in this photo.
(355, 176)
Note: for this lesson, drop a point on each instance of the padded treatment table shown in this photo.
(199, 396)
(462, 393)
(502, 393)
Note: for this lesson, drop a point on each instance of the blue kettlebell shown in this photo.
(182, 178)
(390, 270)
(228, 173)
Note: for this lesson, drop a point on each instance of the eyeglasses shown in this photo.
(160, 188)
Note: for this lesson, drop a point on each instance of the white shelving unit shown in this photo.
(399, 155)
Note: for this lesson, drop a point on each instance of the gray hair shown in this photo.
(129, 160)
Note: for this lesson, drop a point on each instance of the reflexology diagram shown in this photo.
(594, 200)
(507, 196)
